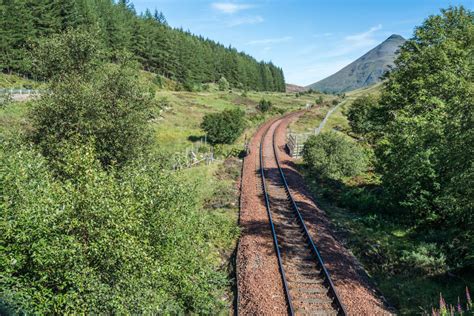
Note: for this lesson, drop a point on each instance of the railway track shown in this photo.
(307, 285)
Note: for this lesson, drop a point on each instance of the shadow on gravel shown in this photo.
(342, 266)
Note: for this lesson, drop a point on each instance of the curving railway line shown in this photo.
(307, 285)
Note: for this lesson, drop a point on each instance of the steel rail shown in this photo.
(314, 249)
(275, 240)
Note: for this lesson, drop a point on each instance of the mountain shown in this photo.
(363, 72)
(294, 88)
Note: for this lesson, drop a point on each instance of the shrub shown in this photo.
(189, 86)
(332, 155)
(264, 105)
(105, 103)
(5, 100)
(361, 200)
(224, 127)
(99, 242)
(362, 115)
(427, 259)
(223, 84)
(71, 52)
(158, 80)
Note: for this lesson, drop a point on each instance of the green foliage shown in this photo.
(67, 54)
(164, 103)
(332, 155)
(426, 148)
(363, 115)
(264, 105)
(421, 129)
(425, 259)
(408, 263)
(223, 84)
(319, 100)
(102, 242)
(104, 104)
(172, 53)
(224, 127)
(158, 80)
(5, 100)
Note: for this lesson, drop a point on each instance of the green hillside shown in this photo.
(173, 53)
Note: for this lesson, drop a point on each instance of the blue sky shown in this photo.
(308, 39)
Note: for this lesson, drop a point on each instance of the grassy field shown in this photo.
(178, 126)
(338, 119)
(395, 255)
(19, 82)
(310, 120)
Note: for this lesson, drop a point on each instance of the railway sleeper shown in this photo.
(293, 251)
(315, 273)
(316, 313)
(313, 290)
(308, 281)
(294, 247)
(318, 301)
(292, 235)
(289, 226)
(298, 258)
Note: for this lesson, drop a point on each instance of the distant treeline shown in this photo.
(173, 53)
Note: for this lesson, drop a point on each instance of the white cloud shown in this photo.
(270, 40)
(246, 20)
(230, 8)
(328, 54)
(364, 38)
(322, 35)
(354, 43)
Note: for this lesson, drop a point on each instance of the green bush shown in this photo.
(332, 155)
(159, 81)
(71, 52)
(362, 115)
(5, 100)
(223, 84)
(319, 100)
(426, 259)
(264, 105)
(361, 200)
(105, 103)
(224, 127)
(134, 242)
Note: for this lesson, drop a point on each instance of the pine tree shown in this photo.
(173, 53)
(16, 30)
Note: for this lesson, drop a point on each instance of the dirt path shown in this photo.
(259, 280)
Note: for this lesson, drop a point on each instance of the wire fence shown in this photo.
(295, 141)
(21, 91)
(198, 153)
